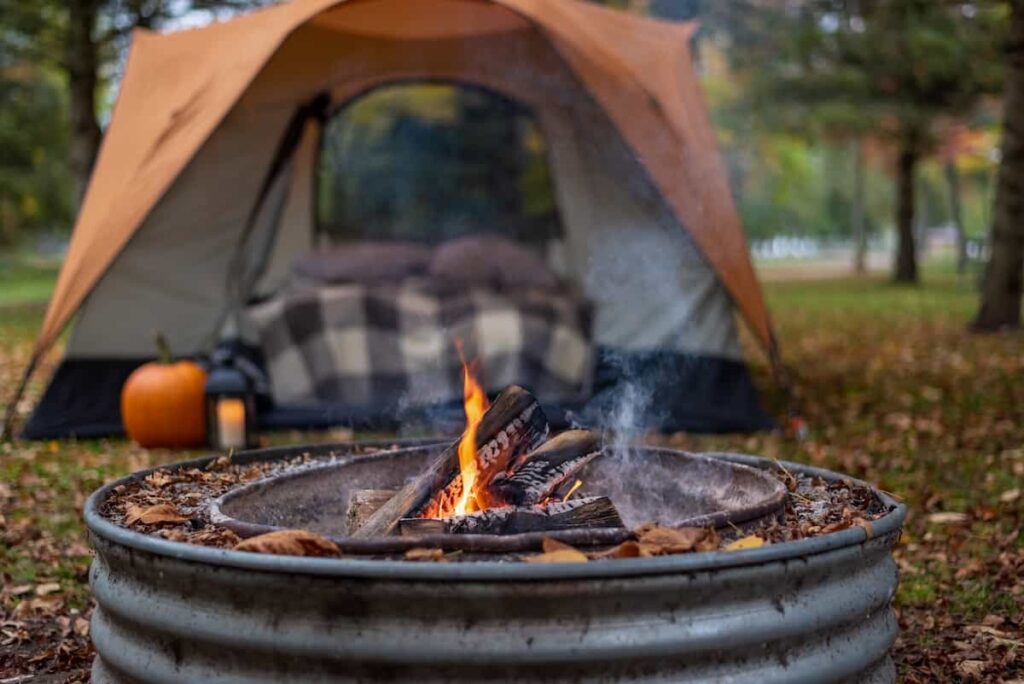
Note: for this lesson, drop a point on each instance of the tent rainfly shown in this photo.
(200, 196)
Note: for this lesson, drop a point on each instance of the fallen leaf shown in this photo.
(569, 555)
(993, 620)
(550, 544)
(47, 588)
(153, 515)
(947, 518)
(44, 605)
(869, 529)
(710, 542)
(751, 541)
(423, 554)
(1010, 495)
(290, 543)
(627, 549)
(974, 668)
(160, 478)
(20, 589)
(973, 567)
(81, 626)
(658, 541)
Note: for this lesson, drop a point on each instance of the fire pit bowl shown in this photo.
(813, 610)
(676, 489)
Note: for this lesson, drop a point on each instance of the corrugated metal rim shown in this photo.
(480, 570)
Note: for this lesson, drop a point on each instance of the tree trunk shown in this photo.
(858, 229)
(82, 64)
(906, 255)
(956, 214)
(1004, 275)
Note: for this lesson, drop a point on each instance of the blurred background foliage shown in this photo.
(821, 107)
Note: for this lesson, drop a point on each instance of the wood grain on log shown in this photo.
(582, 513)
(362, 503)
(514, 424)
(533, 476)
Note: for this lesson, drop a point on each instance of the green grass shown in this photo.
(25, 279)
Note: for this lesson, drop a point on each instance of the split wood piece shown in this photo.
(514, 424)
(362, 503)
(534, 476)
(583, 513)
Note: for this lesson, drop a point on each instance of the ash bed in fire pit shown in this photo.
(676, 489)
(813, 610)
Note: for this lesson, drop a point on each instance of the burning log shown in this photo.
(513, 425)
(362, 503)
(534, 476)
(583, 513)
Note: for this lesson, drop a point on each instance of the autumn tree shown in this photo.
(85, 39)
(888, 69)
(1004, 274)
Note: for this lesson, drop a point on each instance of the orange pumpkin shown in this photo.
(163, 403)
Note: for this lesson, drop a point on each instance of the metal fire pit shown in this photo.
(816, 610)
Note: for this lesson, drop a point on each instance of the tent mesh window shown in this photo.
(429, 162)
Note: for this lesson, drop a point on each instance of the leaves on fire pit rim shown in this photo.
(290, 543)
(434, 555)
(627, 549)
(751, 541)
(158, 514)
(655, 540)
(557, 552)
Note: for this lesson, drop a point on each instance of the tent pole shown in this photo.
(7, 430)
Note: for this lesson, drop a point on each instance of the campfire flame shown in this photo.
(475, 401)
(572, 490)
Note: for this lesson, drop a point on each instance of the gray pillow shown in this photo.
(490, 260)
(363, 262)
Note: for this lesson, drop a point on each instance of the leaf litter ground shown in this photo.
(893, 390)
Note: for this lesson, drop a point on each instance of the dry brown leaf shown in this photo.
(550, 544)
(44, 605)
(627, 549)
(751, 541)
(290, 543)
(973, 668)
(160, 478)
(657, 541)
(424, 554)
(47, 588)
(159, 514)
(568, 555)
(1010, 495)
(947, 518)
(993, 620)
(869, 529)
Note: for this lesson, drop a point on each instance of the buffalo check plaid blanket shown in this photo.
(393, 346)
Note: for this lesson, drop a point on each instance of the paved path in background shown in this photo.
(818, 269)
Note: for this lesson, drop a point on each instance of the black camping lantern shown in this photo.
(230, 407)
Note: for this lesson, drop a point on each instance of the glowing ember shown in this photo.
(475, 402)
(572, 490)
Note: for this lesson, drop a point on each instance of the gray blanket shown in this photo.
(392, 346)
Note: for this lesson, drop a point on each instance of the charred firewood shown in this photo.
(532, 477)
(362, 503)
(513, 425)
(582, 513)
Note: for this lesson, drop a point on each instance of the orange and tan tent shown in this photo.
(201, 113)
